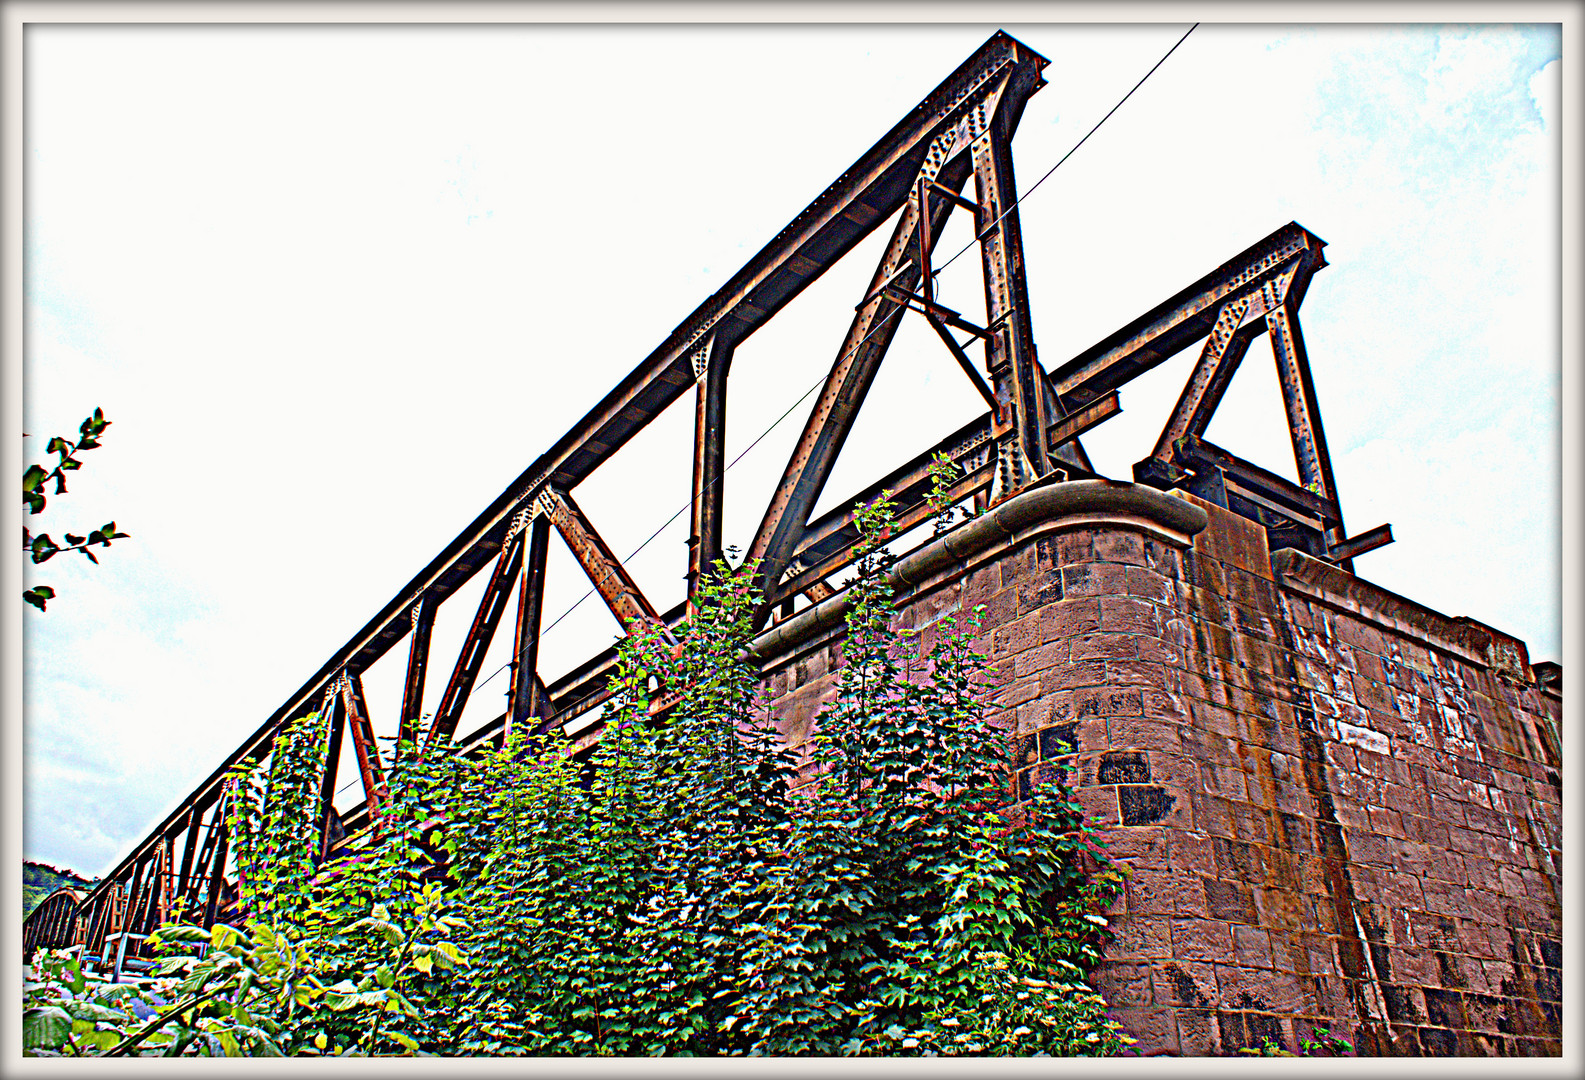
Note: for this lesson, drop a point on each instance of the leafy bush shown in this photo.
(694, 887)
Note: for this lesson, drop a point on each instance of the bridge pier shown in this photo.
(1341, 809)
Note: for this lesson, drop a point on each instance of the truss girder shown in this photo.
(873, 188)
(1030, 434)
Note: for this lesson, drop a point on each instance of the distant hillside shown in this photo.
(41, 879)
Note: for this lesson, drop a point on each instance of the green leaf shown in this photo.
(44, 548)
(34, 478)
(47, 1028)
(38, 595)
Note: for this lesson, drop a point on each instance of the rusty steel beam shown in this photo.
(526, 696)
(370, 770)
(869, 336)
(1282, 494)
(143, 884)
(1237, 324)
(819, 590)
(332, 714)
(157, 905)
(1187, 316)
(189, 850)
(474, 646)
(422, 615)
(1304, 415)
(606, 572)
(711, 363)
(202, 869)
(217, 871)
(1356, 546)
(1015, 375)
(1069, 428)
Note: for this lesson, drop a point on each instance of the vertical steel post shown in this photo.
(189, 849)
(1021, 422)
(327, 786)
(1304, 414)
(709, 459)
(200, 873)
(423, 616)
(218, 874)
(522, 697)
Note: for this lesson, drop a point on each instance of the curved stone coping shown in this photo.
(1075, 503)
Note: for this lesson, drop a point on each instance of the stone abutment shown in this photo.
(1341, 809)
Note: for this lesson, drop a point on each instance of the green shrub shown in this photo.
(694, 887)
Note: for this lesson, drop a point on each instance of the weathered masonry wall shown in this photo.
(1341, 809)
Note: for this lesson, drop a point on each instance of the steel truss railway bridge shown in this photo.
(1029, 435)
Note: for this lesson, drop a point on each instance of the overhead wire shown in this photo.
(1070, 153)
(881, 324)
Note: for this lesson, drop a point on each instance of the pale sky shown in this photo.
(336, 287)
